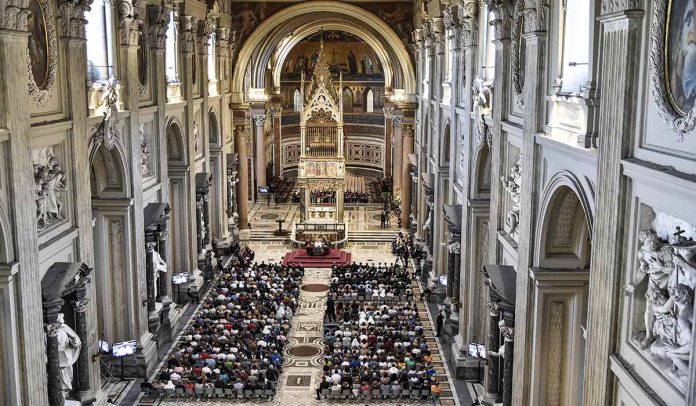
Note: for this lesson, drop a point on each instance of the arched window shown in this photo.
(172, 49)
(575, 46)
(297, 100)
(100, 41)
(212, 60)
(347, 100)
(370, 101)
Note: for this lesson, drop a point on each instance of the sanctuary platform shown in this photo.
(300, 256)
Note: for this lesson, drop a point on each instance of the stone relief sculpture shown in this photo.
(49, 182)
(144, 153)
(513, 185)
(668, 270)
(517, 59)
(68, 353)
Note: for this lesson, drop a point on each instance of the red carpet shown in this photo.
(300, 256)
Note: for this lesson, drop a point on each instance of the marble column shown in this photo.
(508, 360)
(243, 184)
(83, 361)
(398, 142)
(407, 194)
(621, 46)
(260, 151)
(21, 211)
(277, 114)
(388, 130)
(51, 328)
(492, 344)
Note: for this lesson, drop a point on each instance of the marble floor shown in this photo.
(358, 217)
(303, 354)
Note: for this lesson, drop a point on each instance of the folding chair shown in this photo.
(405, 393)
(179, 392)
(248, 393)
(425, 393)
(169, 392)
(258, 393)
(219, 392)
(325, 393)
(385, 393)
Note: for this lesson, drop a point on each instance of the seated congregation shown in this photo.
(233, 345)
(379, 351)
(387, 283)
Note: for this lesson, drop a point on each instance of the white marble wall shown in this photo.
(593, 168)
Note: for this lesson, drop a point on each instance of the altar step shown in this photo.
(372, 235)
(265, 235)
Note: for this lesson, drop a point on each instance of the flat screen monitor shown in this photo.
(123, 349)
(103, 346)
(442, 279)
(482, 350)
(180, 278)
(263, 189)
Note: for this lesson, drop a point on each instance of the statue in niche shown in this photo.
(49, 183)
(352, 63)
(68, 353)
(670, 270)
(513, 185)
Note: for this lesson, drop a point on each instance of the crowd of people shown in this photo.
(355, 197)
(405, 248)
(322, 196)
(372, 282)
(378, 350)
(235, 341)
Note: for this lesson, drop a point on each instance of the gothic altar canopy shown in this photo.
(322, 163)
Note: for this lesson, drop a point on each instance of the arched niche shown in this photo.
(213, 129)
(445, 149)
(108, 177)
(178, 197)
(176, 146)
(482, 177)
(566, 239)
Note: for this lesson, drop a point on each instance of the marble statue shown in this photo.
(513, 185)
(144, 153)
(68, 352)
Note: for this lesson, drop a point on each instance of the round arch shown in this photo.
(177, 151)
(564, 235)
(277, 35)
(109, 177)
(445, 147)
(213, 128)
(482, 176)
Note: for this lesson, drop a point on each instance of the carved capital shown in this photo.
(615, 6)
(388, 112)
(259, 120)
(275, 111)
(150, 247)
(222, 44)
(14, 15)
(502, 9)
(188, 26)
(130, 15)
(158, 17)
(397, 120)
(52, 329)
(205, 29)
(535, 19)
(71, 14)
(493, 309)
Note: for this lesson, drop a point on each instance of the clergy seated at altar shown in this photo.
(319, 247)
